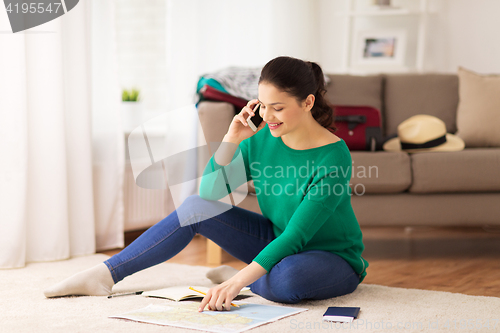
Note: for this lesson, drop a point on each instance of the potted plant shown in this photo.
(131, 109)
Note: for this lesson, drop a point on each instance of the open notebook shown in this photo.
(179, 293)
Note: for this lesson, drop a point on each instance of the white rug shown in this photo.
(25, 309)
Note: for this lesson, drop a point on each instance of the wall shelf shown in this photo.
(352, 14)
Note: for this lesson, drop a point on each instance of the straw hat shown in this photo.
(423, 132)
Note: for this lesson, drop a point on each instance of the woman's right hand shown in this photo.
(239, 129)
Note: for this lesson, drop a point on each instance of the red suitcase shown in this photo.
(359, 126)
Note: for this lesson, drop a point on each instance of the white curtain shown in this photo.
(108, 141)
(61, 147)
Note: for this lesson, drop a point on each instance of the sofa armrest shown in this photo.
(215, 118)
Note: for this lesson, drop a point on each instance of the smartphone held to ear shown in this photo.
(255, 121)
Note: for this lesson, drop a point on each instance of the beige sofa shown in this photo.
(422, 189)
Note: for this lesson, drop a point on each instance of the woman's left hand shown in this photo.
(223, 293)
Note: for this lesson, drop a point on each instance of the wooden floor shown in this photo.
(463, 260)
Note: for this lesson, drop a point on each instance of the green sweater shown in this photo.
(304, 193)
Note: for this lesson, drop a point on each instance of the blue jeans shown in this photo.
(313, 274)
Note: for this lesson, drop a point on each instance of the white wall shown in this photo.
(205, 36)
(140, 40)
(460, 33)
(472, 35)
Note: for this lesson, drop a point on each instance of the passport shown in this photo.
(341, 313)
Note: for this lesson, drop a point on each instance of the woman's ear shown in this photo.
(309, 102)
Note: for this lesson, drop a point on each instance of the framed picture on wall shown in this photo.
(379, 48)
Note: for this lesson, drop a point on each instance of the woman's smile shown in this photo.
(274, 125)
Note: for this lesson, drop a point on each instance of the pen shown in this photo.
(127, 294)
(201, 292)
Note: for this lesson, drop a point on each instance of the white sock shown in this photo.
(95, 281)
(221, 274)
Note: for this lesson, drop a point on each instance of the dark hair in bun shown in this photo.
(300, 78)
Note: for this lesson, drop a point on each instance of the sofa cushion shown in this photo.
(380, 172)
(355, 90)
(444, 209)
(406, 95)
(468, 170)
(478, 115)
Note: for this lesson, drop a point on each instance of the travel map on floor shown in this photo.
(186, 315)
